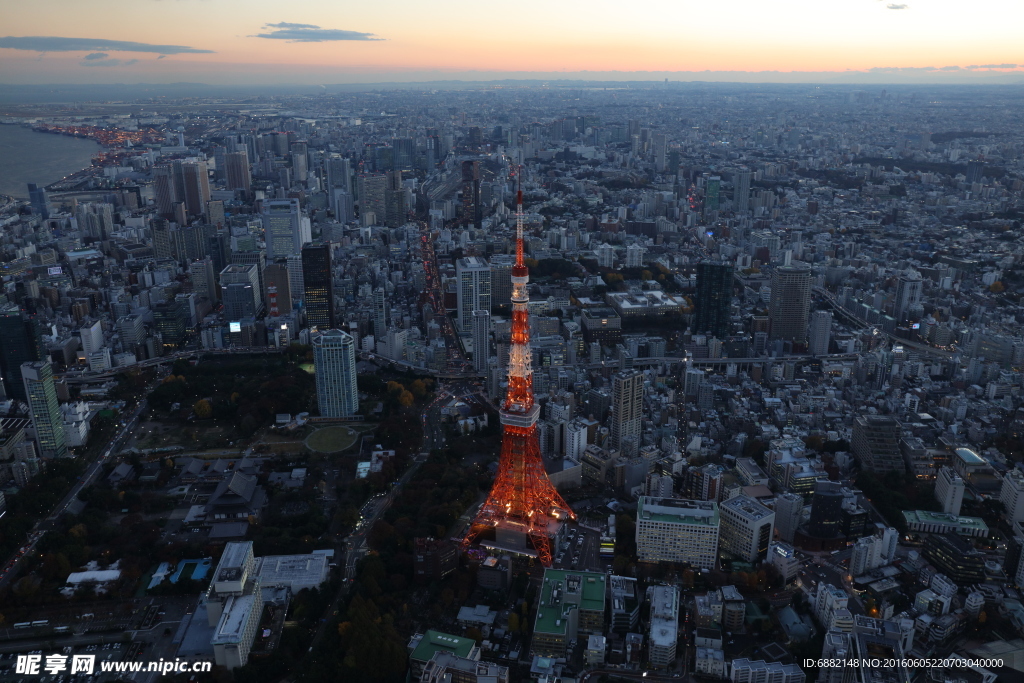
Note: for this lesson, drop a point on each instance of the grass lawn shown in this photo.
(331, 439)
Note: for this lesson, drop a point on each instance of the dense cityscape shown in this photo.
(568, 384)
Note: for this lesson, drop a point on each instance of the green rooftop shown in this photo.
(927, 517)
(677, 511)
(564, 591)
(435, 641)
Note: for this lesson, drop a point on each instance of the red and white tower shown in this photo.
(523, 500)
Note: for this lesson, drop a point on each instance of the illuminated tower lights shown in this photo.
(523, 496)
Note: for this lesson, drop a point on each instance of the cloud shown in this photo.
(310, 33)
(285, 24)
(998, 66)
(950, 68)
(111, 62)
(57, 44)
(895, 6)
(96, 55)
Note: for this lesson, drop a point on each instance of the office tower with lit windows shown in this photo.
(334, 359)
(43, 408)
(677, 530)
(318, 286)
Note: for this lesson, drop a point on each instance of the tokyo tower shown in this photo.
(523, 500)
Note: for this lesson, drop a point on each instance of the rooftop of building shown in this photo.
(563, 591)
(435, 641)
(677, 511)
(928, 517)
(746, 507)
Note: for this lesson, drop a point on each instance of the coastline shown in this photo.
(40, 159)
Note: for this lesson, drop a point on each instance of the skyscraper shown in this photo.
(741, 192)
(40, 202)
(746, 529)
(285, 228)
(19, 343)
(473, 292)
(908, 293)
(627, 411)
(334, 357)
(240, 288)
(395, 209)
(238, 174)
(371, 190)
(789, 508)
(714, 298)
(380, 313)
(318, 284)
(790, 302)
(819, 333)
(876, 443)
(41, 396)
(196, 185)
(481, 339)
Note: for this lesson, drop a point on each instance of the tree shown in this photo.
(997, 287)
(418, 388)
(406, 399)
(203, 409)
(513, 622)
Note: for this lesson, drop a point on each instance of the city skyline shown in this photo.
(793, 41)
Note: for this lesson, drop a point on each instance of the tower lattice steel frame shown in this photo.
(523, 497)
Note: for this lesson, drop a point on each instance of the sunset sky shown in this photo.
(317, 41)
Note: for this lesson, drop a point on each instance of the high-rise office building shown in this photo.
(196, 185)
(746, 528)
(473, 289)
(240, 289)
(334, 357)
(876, 443)
(481, 340)
(1011, 495)
(627, 411)
(819, 333)
(40, 201)
(501, 279)
(676, 530)
(41, 396)
(296, 284)
(789, 508)
(19, 343)
(380, 314)
(318, 285)
(203, 277)
(238, 176)
(712, 191)
(741, 191)
(664, 626)
(372, 191)
(660, 151)
(908, 293)
(395, 209)
(714, 299)
(826, 509)
(166, 190)
(285, 228)
(790, 302)
(949, 490)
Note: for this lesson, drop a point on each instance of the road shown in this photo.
(47, 524)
